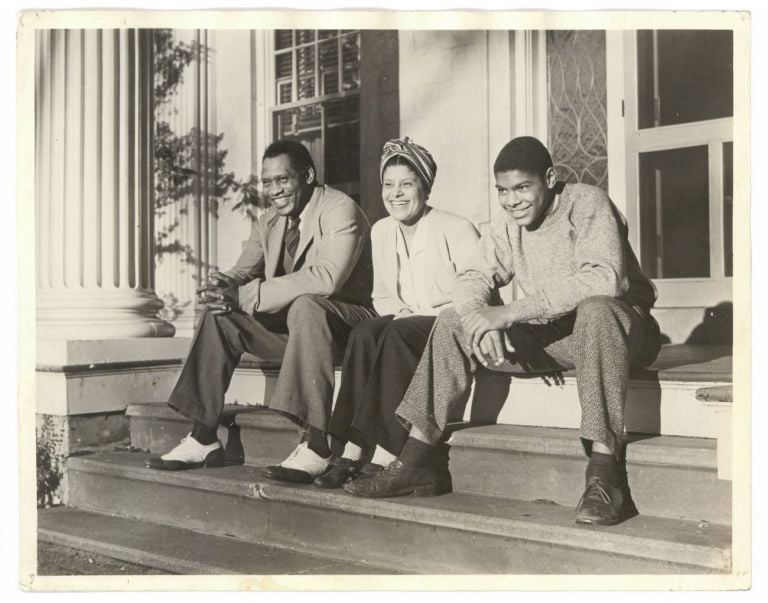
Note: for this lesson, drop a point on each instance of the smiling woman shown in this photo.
(404, 193)
(417, 251)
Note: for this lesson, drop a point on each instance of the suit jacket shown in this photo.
(333, 257)
(438, 252)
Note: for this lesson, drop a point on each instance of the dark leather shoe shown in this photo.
(339, 473)
(398, 479)
(288, 475)
(601, 504)
(371, 469)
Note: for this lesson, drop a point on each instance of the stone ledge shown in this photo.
(87, 352)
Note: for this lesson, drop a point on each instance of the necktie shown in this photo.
(291, 240)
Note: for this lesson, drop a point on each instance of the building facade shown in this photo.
(148, 145)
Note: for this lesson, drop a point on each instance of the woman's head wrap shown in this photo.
(415, 154)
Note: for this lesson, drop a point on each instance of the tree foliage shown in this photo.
(189, 167)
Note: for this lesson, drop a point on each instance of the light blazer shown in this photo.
(437, 254)
(333, 256)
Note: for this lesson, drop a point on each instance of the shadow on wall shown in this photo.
(716, 326)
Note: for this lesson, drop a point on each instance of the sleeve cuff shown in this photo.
(249, 297)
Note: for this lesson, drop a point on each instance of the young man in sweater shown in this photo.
(586, 305)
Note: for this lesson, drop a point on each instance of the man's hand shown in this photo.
(491, 318)
(491, 348)
(214, 294)
(216, 280)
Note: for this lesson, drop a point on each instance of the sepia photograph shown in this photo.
(347, 300)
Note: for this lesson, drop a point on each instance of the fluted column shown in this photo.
(186, 221)
(94, 185)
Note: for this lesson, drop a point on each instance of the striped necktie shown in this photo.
(292, 236)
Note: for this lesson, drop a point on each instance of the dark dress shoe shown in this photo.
(398, 479)
(371, 469)
(601, 504)
(212, 459)
(338, 474)
(283, 474)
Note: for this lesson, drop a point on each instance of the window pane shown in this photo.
(283, 38)
(298, 121)
(576, 117)
(674, 213)
(684, 76)
(305, 58)
(284, 90)
(329, 66)
(307, 87)
(324, 34)
(305, 36)
(283, 65)
(342, 111)
(728, 207)
(350, 56)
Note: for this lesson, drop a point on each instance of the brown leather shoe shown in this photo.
(601, 504)
(338, 474)
(398, 479)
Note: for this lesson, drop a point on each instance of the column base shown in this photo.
(99, 314)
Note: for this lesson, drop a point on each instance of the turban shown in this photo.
(415, 154)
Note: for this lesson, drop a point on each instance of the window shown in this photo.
(678, 119)
(317, 85)
(576, 115)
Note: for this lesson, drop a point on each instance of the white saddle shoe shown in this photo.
(189, 454)
(302, 466)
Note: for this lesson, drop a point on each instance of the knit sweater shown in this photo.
(580, 250)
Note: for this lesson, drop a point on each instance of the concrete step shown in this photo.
(177, 550)
(454, 533)
(669, 476)
(266, 436)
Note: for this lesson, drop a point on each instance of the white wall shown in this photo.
(444, 85)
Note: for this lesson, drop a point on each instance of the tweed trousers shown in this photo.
(307, 339)
(602, 339)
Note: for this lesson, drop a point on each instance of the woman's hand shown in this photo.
(491, 318)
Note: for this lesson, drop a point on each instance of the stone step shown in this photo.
(669, 476)
(454, 533)
(177, 550)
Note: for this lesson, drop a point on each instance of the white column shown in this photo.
(187, 225)
(94, 177)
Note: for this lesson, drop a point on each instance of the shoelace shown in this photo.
(597, 491)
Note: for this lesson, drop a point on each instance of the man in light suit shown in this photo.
(304, 280)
